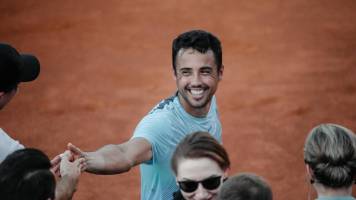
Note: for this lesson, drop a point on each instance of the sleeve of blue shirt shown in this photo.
(154, 127)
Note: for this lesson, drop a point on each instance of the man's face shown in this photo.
(6, 97)
(197, 79)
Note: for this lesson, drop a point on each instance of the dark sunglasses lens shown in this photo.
(211, 183)
(188, 186)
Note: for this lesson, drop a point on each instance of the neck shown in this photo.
(196, 112)
(331, 192)
(199, 113)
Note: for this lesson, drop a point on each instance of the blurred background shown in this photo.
(289, 66)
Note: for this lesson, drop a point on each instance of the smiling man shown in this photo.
(198, 68)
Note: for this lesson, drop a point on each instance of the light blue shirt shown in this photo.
(164, 127)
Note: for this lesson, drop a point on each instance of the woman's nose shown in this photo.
(201, 193)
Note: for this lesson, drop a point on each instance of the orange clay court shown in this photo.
(289, 65)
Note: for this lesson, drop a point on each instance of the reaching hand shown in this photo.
(70, 167)
(95, 162)
(75, 151)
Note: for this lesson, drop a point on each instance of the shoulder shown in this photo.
(163, 112)
(7, 145)
(158, 121)
(5, 138)
(164, 105)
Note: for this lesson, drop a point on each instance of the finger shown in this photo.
(74, 150)
(83, 167)
(56, 160)
(79, 161)
(80, 164)
(55, 170)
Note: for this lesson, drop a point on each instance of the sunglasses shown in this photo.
(211, 183)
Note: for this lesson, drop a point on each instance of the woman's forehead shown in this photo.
(197, 168)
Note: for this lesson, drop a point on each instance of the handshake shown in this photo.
(67, 168)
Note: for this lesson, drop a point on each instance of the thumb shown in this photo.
(74, 150)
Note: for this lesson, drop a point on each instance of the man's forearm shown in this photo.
(110, 159)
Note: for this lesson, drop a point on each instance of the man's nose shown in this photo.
(196, 80)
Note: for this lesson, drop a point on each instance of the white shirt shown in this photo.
(7, 145)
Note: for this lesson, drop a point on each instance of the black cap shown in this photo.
(16, 68)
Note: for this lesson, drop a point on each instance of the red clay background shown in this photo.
(289, 65)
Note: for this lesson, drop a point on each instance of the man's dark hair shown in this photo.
(245, 186)
(25, 175)
(199, 40)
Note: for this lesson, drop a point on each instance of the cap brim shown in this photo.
(30, 68)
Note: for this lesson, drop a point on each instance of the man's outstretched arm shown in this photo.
(115, 158)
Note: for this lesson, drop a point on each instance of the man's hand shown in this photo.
(114, 158)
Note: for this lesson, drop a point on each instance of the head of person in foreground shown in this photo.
(245, 186)
(25, 175)
(200, 164)
(330, 158)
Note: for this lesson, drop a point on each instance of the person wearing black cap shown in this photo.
(14, 69)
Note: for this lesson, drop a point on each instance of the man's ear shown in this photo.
(174, 75)
(220, 72)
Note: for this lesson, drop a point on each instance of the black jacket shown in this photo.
(177, 195)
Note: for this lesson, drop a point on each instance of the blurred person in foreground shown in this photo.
(330, 159)
(25, 175)
(245, 186)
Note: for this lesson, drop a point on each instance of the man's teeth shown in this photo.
(196, 91)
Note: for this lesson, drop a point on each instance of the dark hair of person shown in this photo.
(25, 175)
(245, 186)
(200, 145)
(199, 40)
(330, 151)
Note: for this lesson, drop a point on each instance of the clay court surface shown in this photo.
(289, 65)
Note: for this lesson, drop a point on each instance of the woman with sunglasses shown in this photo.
(200, 165)
(330, 158)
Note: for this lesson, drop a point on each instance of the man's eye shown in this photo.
(185, 73)
(206, 72)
